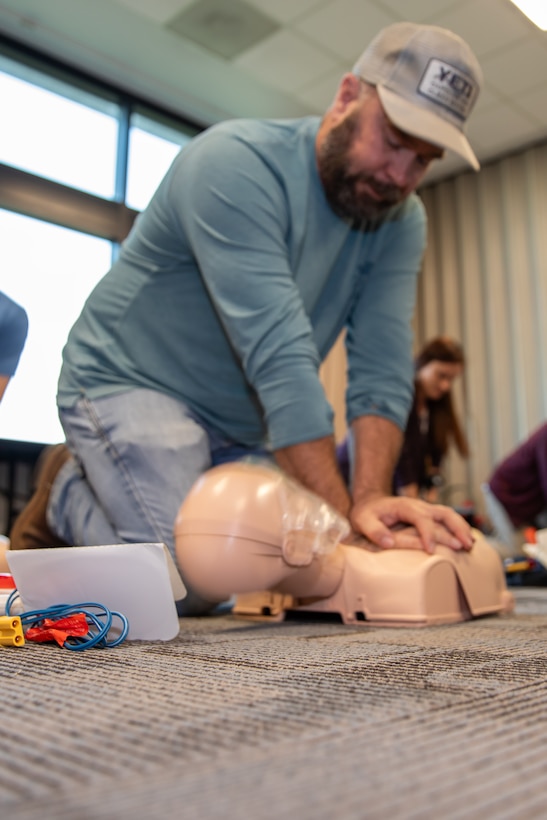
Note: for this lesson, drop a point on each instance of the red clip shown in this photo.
(530, 535)
(74, 626)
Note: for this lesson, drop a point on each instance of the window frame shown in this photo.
(32, 195)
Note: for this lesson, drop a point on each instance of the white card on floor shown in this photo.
(138, 580)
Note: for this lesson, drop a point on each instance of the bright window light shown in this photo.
(50, 271)
(46, 132)
(152, 148)
(535, 10)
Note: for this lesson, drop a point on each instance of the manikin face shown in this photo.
(366, 164)
(436, 378)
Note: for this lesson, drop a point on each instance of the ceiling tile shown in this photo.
(519, 68)
(345, 27)
(418, 11)
(501, 128)
(285, 61)
(284, 11)
(534, 103)
(486, 25)
(224, 29)
(487, 97)
(160, 10)
(318, 95)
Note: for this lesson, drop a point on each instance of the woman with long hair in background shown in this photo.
(433, 425)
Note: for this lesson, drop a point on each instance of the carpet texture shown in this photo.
(301, 719)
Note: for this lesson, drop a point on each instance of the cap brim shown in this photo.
(419, 122)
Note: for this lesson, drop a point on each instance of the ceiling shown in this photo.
(216, 59)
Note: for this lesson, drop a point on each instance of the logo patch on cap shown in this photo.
(446, 85)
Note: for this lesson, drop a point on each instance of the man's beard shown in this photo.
(341, 187)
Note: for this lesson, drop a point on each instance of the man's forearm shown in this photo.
(314, 464)
(374, 510)
(377, 443)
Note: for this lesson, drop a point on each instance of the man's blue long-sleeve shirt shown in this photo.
(236, 281)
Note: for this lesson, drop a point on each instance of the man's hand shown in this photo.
(407, 523)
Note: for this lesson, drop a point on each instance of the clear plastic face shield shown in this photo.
(310, 527)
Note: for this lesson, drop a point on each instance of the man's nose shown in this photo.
(403, 171)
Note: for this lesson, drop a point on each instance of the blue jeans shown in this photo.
(136, 456)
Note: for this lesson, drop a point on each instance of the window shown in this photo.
(59, 132)
(152, 149)
(64, 137)
(50, 271)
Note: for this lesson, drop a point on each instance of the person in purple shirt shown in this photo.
(519, 482)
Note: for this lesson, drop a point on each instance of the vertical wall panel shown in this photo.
(536, 217)
(429, 299)
(515, 198)
(499, 363)
(474, 407)
(484, 282)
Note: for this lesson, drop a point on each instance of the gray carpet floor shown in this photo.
(301, 719)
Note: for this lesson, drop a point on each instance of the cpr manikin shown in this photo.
(245, 529)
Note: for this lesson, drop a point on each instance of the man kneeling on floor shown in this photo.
(203, 343)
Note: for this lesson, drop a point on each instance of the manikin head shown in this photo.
(406, 101)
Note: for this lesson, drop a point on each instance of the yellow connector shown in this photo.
(11, 631)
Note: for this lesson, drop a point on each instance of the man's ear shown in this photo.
(348, 91)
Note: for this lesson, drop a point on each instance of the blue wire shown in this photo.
(100, 620)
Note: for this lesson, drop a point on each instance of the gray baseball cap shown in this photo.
(428, 81)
